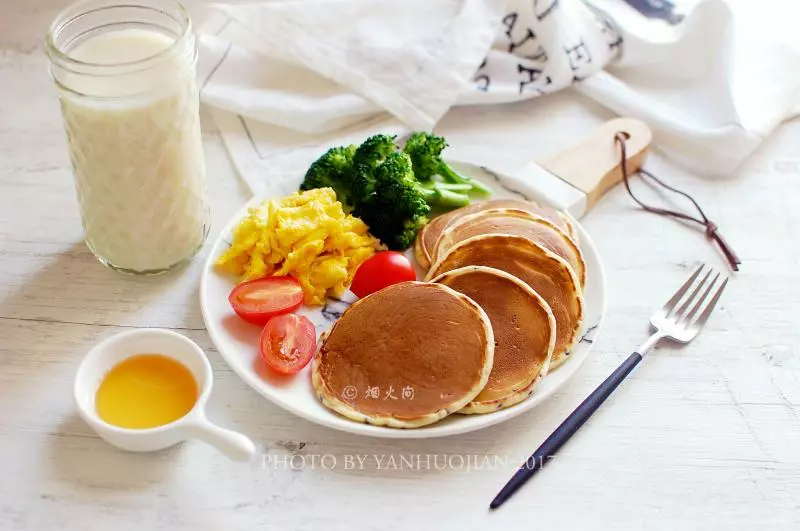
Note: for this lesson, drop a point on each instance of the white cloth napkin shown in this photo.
(411, 59)
(711, 88)
(294, 77)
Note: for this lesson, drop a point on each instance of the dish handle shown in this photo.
(234, 445)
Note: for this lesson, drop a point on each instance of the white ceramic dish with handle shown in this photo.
(237, 341)
(194, 425)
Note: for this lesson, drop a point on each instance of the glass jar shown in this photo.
(125, 74)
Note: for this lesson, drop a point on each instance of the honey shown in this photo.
(146, 391)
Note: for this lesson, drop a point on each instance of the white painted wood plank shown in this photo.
(702, 437)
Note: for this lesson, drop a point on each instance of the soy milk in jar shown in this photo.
(129, 99)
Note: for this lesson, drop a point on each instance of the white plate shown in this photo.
(237, 341)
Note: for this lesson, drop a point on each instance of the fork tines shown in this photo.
(694, 295)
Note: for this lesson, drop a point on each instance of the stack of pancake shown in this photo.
(501, 306)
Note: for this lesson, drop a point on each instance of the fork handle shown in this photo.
(567, 429)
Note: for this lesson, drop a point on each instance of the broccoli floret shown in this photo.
(366, 159)
(398, 208)
(425, 150)
(374, 149)
(411, 228)
(334, 169)
(395, 184)
(392, 191)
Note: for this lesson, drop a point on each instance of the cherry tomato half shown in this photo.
(258, 300)
(287, 343)
(381, 270)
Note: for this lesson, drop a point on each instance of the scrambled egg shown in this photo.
(305, 235)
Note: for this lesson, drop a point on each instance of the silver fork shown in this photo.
(678, 320)
(674, 322)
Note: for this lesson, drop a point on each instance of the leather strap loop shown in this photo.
(711, 229)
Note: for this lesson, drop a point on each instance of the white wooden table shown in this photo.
(703, 437)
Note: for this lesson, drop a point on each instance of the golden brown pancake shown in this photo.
(524, 333)
(571, 231)
(428, 236)
(549, 275)
(405, 356)
(517, 223)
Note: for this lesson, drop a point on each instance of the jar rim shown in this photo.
(56, 53)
